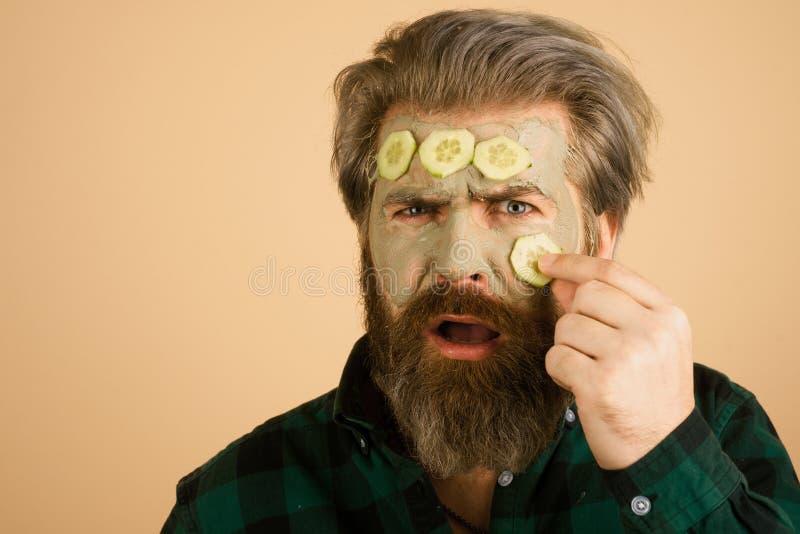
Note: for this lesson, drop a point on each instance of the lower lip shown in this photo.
(464, 351)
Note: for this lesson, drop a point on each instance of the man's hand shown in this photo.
(624, 350)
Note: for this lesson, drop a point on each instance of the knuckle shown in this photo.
(567, 322)
(553, 359)
(562, 326)
(632, 348)
(609, 270)
(587, 288)
(669, 325)
(550, 359)
(677, 317)
(627, 350)
(661, 338)
(579, 300)
(593, 285)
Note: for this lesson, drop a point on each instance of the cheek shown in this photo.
(406, 269)
(400, 262)
(566, 227)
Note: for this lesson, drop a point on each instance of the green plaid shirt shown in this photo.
(337, 464)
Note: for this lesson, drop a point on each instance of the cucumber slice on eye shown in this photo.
(395, 154)
(500, 158)
(526, 252)
(444, 152)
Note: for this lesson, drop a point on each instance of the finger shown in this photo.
(587, 335)
(580, 268)
(607, 304)
(567, 367)
(564, 292)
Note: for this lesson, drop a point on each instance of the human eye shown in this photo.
(516, 207)
(416, 214)
(415, 211)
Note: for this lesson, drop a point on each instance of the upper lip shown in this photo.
(467, 319)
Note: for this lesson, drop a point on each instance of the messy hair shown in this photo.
(473, 60)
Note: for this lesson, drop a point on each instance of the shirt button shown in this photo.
(363, 445)
(505, 478)
(640, 505)
(569, 416)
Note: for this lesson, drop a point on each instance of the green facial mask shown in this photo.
(407, 253)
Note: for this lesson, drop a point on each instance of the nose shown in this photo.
(476, 281)
(461, 257)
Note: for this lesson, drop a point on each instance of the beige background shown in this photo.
(154, 156)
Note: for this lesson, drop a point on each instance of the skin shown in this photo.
(471, 233)
(622, 347)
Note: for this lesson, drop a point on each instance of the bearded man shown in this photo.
(498, 388)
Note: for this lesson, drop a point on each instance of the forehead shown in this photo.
(541, 128)
(547, 112)
(497, 119)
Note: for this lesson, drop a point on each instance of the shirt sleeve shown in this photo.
(174, 524)
(741, 481)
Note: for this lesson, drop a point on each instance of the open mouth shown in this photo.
(464, 337)
(466, 332)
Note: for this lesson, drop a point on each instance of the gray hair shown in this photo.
(471, 60)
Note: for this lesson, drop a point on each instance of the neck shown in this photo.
(469, 495)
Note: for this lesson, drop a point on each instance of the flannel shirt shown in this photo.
(336, 464)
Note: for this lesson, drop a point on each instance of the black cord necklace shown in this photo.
(461, 520)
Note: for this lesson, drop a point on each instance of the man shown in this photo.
(480, 399)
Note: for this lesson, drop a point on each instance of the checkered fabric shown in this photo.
(337, 464)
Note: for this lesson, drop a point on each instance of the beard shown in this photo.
(499, 413)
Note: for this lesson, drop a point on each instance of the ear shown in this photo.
(607, 235)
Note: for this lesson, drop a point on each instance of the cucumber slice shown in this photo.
(395, 154)
(500, 158)
(526, 252)
(444, 152)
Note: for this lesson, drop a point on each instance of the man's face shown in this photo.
(458, 340)
(423, 228)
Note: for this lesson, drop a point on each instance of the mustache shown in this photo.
(496, 313)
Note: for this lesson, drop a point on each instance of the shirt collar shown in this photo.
(358, 404)
(363, 409)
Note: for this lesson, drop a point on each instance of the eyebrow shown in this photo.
(509, 193)
(407, 196)
(441, 198)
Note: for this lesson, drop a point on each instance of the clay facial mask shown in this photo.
(407, 236)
